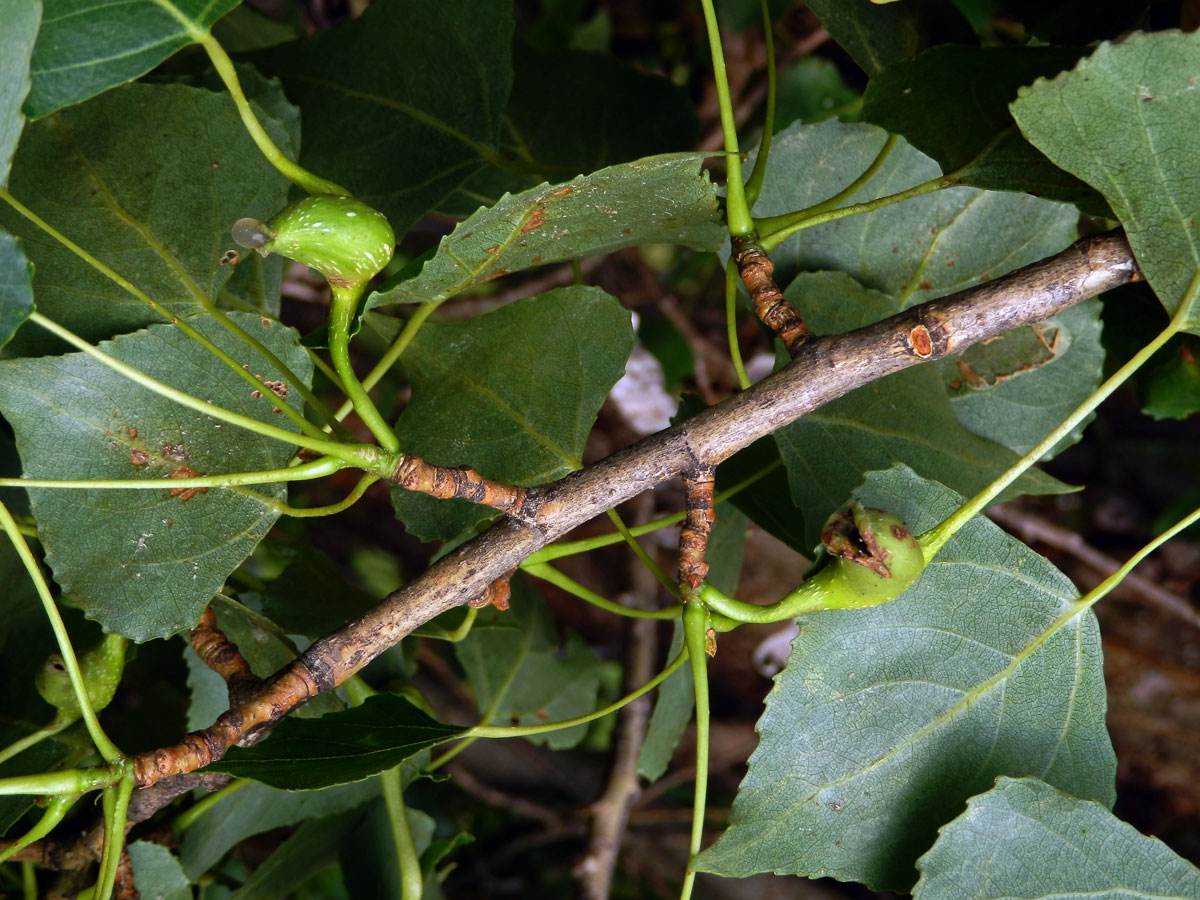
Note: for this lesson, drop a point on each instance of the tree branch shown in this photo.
(829, 368)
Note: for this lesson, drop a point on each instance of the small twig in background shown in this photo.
(1032, 528)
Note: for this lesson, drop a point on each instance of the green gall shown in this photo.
(346, 241)
(873, 557)
(101, 668)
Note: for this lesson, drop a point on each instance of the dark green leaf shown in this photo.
(1170, 384)
(449, 521)
(526, 678)
(157, 874)
(1024, 838)
(672, 711)
(21, 19)
(665, 199)
(767, 500)
(311, 596)
(149, 178)
(906, 417)
(308, 754)
(404, 104)
(1016, 389)
(877, 35)
(951, 103)
(812, 90)
(16, 291)
(725, 548)
(922, 248)
(145, 563)
(309, 850)
(88, 46)
(887, 719)
(515, 392)
(1124, 121)
(256, 808)
(368, 853)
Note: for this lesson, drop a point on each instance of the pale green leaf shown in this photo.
(16, 289)
(145, 563)
(256, 808)
(404, 104)
(515, 392)
(88, 46)
(1024, 838)
(663, 199)
(1124, 120)
(906, 417)
(148, 178)
(157, 874)
(21, 19)
(525, 677)
(922, 248)
(887, 719)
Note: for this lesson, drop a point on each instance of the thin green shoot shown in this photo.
(359, 455)
(552, 576)
(755, 182)
(32, 739)
(695, 636)
(735, 351)
(56, 811)
(736, 209)
(585, 545)
(294, 172)
(313, 512)
(107, 749)
(341, 315)
(116, 805)
(305, 471)
(640, 552)
(777, 229)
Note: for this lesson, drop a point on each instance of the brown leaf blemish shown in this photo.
(921, 342)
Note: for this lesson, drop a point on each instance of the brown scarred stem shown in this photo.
(460, 482)
(693, 536)
(829, 368)
(293, 686)
(756, 269)
(497, 594)
(222, 656)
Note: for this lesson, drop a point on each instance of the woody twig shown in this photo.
(756, 271)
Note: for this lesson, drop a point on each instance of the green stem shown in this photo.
(56, 810)
(392, 786)
(67, 781)
(358, 455)
(735, 351)
(571, 586)
(32, 740)
(409, 863)
(116, 805)
(303, 472)
(777, 232)
(394, 352)
(506, 731)
(295, 173)
(182, 324)
(586, 545)
(108, 750)
(754, 184)
(811, 596)
(933, 540)
(188, 817)
(736, 209)
(640, 552)
(695, 628)
(341, 315)
(464, 627)
(299, 512)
